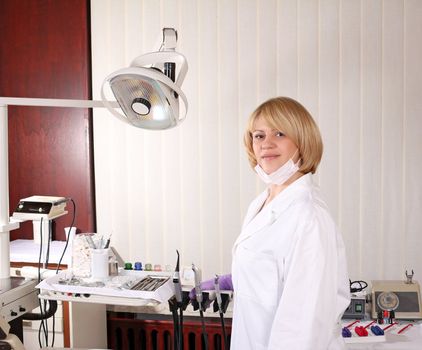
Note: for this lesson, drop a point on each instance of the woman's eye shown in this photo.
(279, 134)
(257, 136)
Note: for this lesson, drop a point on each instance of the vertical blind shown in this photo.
(355, 65)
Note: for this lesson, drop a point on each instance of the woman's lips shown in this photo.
(269, 157)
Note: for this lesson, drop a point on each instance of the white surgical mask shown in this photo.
(281, 175)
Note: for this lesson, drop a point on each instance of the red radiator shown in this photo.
(127, 333)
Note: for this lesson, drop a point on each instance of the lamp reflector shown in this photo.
(143, 101)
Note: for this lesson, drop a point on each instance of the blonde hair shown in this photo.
(290, 117)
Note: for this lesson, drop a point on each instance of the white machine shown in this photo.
(41, 210)
(18, 296)
(406, 294)
(40, 207)
(356, 309)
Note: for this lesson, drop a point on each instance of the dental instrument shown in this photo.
(199, 299)
(220, 309)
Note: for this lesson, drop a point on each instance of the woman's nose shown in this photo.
(268, 142)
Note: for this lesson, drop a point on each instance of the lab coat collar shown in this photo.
(256, 221)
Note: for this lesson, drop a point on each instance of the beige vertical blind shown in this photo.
(354, 64)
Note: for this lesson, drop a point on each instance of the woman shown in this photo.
(289, 266)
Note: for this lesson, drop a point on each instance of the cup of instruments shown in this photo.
(99, 263)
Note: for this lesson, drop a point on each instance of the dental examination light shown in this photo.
(148, 92)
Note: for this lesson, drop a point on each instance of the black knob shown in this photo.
(13, 313)
(22, 309)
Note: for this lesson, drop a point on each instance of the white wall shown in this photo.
(354, 64)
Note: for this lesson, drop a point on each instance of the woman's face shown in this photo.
(271, 147)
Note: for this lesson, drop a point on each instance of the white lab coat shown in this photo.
(289, 274)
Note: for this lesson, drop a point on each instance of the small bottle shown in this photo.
(392, 316)
(138, 266)
(128, 266)
(386, 316)
(379, 318)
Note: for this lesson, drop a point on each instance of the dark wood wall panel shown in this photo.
(45, 52)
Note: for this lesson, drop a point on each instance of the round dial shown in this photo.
(388, 301)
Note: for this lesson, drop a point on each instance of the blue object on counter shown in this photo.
(377, 330)
(138, 266)
(345, 332)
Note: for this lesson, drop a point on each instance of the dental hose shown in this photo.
(181, 329)
(177, 323)
(178, 305)
(220, 310)
(175, 326)
(224, 331)
(204, 333)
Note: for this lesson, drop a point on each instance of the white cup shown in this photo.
(99, 263)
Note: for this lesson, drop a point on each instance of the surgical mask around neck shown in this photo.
(281, 175)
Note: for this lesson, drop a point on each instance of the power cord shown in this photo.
(355, 289)
(43, 324)
(44, 315)
(68, 236)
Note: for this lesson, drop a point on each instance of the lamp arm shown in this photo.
(52, 102)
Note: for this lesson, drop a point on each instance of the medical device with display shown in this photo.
(402, 297)
(40, 207)
(356, 309)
